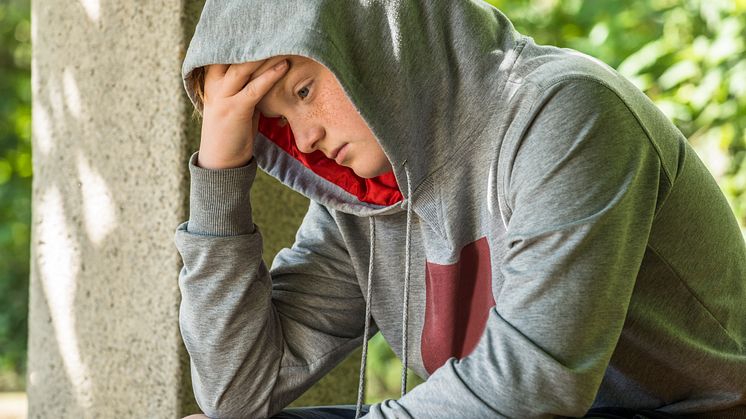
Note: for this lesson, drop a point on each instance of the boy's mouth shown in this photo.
(339, 154)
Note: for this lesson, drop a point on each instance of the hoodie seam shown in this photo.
(544, 88)
(320, 358)
(691, 292)
(441, 216)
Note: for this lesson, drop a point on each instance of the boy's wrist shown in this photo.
(219, 199)
(207, 160)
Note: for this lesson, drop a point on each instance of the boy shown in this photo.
(523, 226)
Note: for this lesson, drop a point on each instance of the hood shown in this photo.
(414, 70)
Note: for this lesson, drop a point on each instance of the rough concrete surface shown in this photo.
(112, 132)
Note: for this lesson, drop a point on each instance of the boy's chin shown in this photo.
(364, 175)
(372, 170)
(368, 173)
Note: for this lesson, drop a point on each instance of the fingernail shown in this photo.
(281, 65)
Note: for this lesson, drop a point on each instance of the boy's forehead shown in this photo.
(270, 101)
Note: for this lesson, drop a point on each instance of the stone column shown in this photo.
(112, 132)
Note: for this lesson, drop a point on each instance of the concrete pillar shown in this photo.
(112, 132)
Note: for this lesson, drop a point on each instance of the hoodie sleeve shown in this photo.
(257, 338)
(583, 189)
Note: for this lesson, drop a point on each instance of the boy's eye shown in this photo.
(303, 93)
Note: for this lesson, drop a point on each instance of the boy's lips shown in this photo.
(335, 153)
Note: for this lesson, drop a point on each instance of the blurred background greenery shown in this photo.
(15, 188)
(687, 55)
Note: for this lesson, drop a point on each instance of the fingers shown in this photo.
(237, 75)
(215, 71)
(255, 90)
(225, 80)
(242, 84)
(266, 65)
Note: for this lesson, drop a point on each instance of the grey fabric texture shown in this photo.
(618, 268)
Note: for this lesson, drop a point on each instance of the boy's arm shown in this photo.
(257, 339)
(583, 190)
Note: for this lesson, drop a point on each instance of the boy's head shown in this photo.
(310, 99)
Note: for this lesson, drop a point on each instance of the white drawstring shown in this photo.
(405, 314)
(364, 357)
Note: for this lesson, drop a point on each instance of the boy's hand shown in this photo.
(230, 122)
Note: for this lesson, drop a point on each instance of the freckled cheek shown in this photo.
(325, 108)
(343, 108)
(317, 111)
(313, 114)
(331, 109)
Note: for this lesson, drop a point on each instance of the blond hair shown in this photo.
(197, 80)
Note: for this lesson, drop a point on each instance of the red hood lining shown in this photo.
(380, 190)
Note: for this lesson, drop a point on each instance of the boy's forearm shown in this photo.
(228, 324)
(251, 353)
(226, 318)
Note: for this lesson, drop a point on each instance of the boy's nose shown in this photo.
(307, 138)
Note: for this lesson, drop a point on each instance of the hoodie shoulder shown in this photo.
(539, 69)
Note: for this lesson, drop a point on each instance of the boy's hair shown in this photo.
(197, 78)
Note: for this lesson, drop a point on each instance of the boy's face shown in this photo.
(321, 116)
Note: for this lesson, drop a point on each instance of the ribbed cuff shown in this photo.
(219, 201)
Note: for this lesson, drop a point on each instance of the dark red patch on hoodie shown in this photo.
(380, 190)
(458, 300)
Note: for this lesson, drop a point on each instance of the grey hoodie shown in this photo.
(547, 242)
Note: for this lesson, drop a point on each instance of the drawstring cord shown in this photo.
(405, 313)
(364, 357)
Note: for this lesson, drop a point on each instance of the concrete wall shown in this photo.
(112, 131)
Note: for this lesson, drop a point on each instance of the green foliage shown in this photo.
(383, 372)
(15, 188)
(688, 56)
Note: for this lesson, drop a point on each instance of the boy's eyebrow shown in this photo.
(281, 87)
